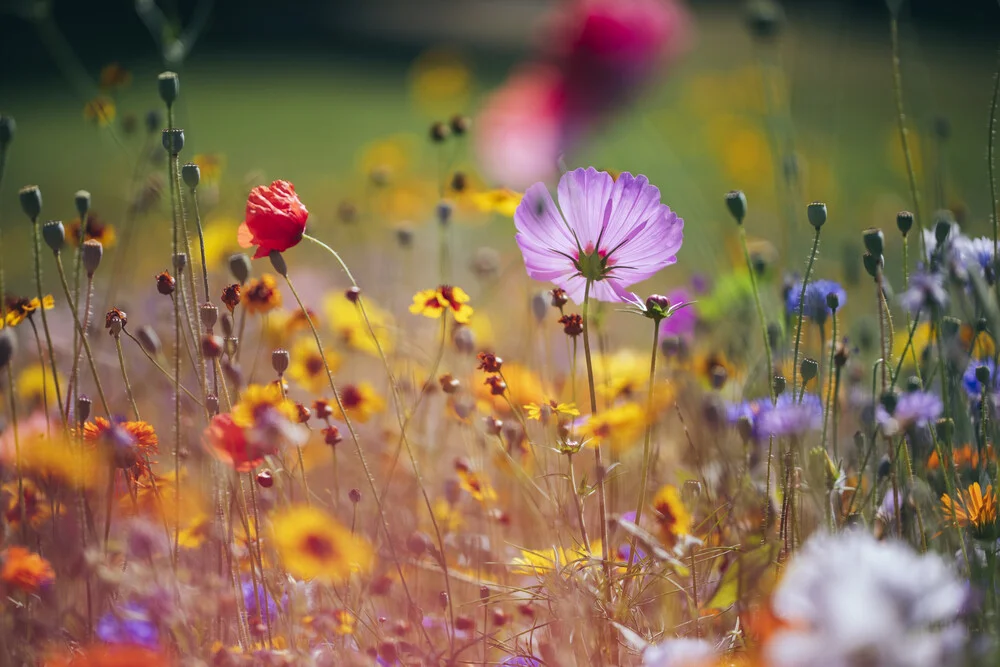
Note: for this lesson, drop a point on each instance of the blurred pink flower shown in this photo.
(611, 232)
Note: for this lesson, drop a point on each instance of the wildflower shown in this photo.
(433, 303)
(972, 384)
(680, 652)
(476, 485)
(542, 561)
(496, 384)
(228, 441)
(671, 515)
(925, 293)
(34, 382)
(572, 324)
(913, 408)
(313, 545)
(489, 362)
(130, 624)
(791, 417)
(298, 320)
(259, 607)
(539, 412)
(37, 509)
(211, 166)
(231, 296)
(114, 76)
(259, 400)
(682, 321)
(52, 462)
(621, 425)
(814, 304)
(966, 456)
(275, 219)
(307, 367)
(973, 508)
(611, 233)
(331, 436)
(502, 202)
(21, 308)
(25, 571)
(850, 599)
(261, 296)
(131, 442)
(95, 229)
(100, 110)
(360, 401)
(350, 327)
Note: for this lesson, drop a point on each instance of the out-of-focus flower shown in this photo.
(502, 201)
(612, 233)
(440, 82)
(974, 508)
(541, 412)
(814, 305)
(925, 293)
(313, 545)
(540, 562)
(849, 598)
(21, 308)
(913, 408)
(671, 516)
(228, 441)
(25, 571)
(260, 607)
(433, 303)
(275, 219)
(361, 402)
(350, 327)
(683, 320)
(220, 241)
(261, 296)
(620, 426)
(964, 457)
(100, 110)
(270, 419)
(384, 161)
(54, 461)
(476, 485)
(307, 367)
(131, 443)
(37, 509)
(129, 624)
(344, 622)
(447, 515)
(114, 76)
(681, 652)
(112, 655)
(96, 229)
(211, 166)
(298, 320)
(790, 417)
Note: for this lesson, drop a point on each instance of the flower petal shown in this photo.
(585, 200)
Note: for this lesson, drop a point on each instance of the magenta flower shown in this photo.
(611, 232)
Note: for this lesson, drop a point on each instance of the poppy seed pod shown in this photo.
(460, 124)
(180, 261)
(778, 383)
(115, 326)
(904, 222)
(83, 406)
(874, 240)
(54, 234)
(873, 264)
(173, 141)
(809, 368)
(169, 85)
(148, 339)
(983, 375)
(278, 262)
(279, 361)
(239, 266)
(816, 212)
(7, 129)
(82, 201)
(31, 201)
(832, 301)
(91, 253)
(945, 429)
(191, 173)
(209, 315)
(8, 346)
(736, 202)
(942, 228)
(439, 132)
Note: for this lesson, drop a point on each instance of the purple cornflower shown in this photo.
(914, 408)
(611, 232)
(814, 303)
(131, 624)
(263, 599)
(790, 417)
(925, 292)
(521, 661)
(972, 384)
(682, 322)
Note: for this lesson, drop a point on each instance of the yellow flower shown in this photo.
(220, 241)
(56, 461)
(194, 533)
(306, 367)
(385, 160)
(541, 412)
(620, 426)
(100, 110)
(923, 336)
(345, 622)
(34, 382)
(256, 398)
(440, 82)
(671, 515)
(542, 561)
(261, 296)
(973, 508)
(623, 374)
(502, 202)
(313, 545)
(433, 303)
(448, 518)
(20, 308)
(476, 485)
(211, 166)
(360, 401)
(350, 327)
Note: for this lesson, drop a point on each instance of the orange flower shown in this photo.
(25, 571)
(130, 452)
(262, 296)
(228, 441)
(112, 655)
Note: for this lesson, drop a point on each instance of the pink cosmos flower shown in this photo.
(611, 232)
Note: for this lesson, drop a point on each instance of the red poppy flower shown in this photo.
(276, 219)
(228, 441)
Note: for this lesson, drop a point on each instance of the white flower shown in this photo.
(855, 602)
(681, 652)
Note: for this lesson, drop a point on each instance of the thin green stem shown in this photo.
(760, 313)
(991, 164)
(801, 307)
(45, 320)
(897, 87)
(830, 397)
(81, 331)
(128, 385)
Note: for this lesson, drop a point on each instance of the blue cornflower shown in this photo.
(791, 417)
(972, 385)
(131, 624)
(925, 293)
(263, 599)
(814, 303)
(914, 408)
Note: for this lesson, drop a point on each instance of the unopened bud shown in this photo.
(7, 129)
(148, 339)
(8, 346)
(191, 173)
(278, 262)
(874, 241)
(736, 202)
(82, 201)
(54, 234)
(169, 85)
(354, 495)
(31, 201)
(83, 406)
(809, 369)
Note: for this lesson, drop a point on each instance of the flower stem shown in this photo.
(81, 330)
(128, 386)
(801, 304)
(991, 165)
(897, 87)
(760, 312)
(45, 320)
(831, 398)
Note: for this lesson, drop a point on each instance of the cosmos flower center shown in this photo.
(593, 265)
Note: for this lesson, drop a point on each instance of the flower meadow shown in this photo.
(280, 442)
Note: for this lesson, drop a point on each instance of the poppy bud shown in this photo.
(874, 240)
(169, 85)
(279, 361)
(494, 426)
(180, 261)
(54, 234)
(539, 306)
(209, 315)
(82, 201)
(736, 201)
(347, 212)
(460, 124)
(983, 375)
(913, 383)
(239, 266)
(90, 255)
(942, 228)
(816, 212)
(809, 368)
(449, 383)
(778, 383)
(404, 237)
(83, 406)
(148, 339)
(354, 495)
(950, 326)
(278, 262)
(165, 283)
(353, 294)
(191, 173)
(745, 428)
(7, 129)
(331, 436)
(173, 141)
(8, 345)
(227, 324)
(459, 181)
(945, 429)
(889, 400)
(882, 471)
(438, 132)
(31, 201)
(212, 404)
(265, 479)
(904, 221)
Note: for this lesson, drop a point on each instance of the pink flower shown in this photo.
(611, 232)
